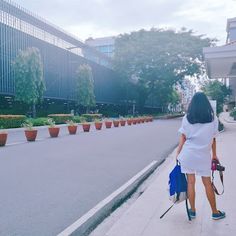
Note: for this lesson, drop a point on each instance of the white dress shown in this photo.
(195, 156)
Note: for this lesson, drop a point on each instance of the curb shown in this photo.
(85, 224)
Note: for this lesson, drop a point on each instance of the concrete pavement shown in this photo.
(143, 217)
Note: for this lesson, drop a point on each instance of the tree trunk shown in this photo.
(34, 111)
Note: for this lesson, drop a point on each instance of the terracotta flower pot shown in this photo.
(138, 121)
(98, 125)
(116, 123)
(108, 124)
(54, 131)
(31, 135)
(134, 121)
(86, 127)
(129, 122)
(72, 129)
(3, 139)
(122, 122)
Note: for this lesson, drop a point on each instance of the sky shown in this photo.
(98, 18)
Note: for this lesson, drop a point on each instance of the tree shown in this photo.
(85, 86)
(217, 91)
(29, 81)
(159, 59)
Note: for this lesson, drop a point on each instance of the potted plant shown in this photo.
(129, 121)
(98, 124)
(108, 124)
(52, 128)
(3, 137)
(30, 132)
(138, 120)
(85, 125)
(116, 123)
(134, 121)
(72, 127)
(122, 121)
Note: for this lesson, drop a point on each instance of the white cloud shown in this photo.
(108, 17)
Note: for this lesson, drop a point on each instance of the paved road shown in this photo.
(47, 185)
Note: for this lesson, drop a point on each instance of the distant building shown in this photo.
(221, 61)
(186, 91)
(105, 45)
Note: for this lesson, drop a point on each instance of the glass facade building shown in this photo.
(104, 45)
(61, 53)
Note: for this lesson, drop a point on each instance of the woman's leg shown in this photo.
(210, 193)
(191, 190)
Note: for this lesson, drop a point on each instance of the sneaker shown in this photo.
(218, 216)
(192, 214)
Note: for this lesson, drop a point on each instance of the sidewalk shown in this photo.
(143, 217)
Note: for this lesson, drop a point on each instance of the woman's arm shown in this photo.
(214, 156)
(181, 143)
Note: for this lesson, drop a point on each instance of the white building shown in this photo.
(221, 60)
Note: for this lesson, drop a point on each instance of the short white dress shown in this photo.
(195, 156)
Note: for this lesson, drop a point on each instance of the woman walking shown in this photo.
(198, 132)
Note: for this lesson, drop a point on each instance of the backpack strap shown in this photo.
(187, 209)
(167, 210)
(222, 182)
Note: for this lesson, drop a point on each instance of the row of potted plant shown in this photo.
(31, 132)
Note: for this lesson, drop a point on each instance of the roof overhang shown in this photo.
(220, 61)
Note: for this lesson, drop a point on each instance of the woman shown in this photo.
(198, 132)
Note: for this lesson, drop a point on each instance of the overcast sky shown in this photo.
(97, 18)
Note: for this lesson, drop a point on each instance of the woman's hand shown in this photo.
(214, 157)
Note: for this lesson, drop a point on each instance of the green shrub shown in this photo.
(77, 119)
(91, 117)
(12, 121)
(61, 118)
(39, 121)
(233, 113)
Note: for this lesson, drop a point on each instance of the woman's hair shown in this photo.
(200, 110)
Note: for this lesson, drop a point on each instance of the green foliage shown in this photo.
(28, 124)
(233, 113)
(91, 117)
(51, 123)
(77, 119)
(11, 121)
(217, 91)
(71, 122)
(157, 59)
(174, 98)
(61, 118)
(29, 82)
(39, 121)
(85, 86)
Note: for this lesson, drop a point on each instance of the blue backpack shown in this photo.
(177, 188)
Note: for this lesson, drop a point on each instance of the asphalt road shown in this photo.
(49, 184)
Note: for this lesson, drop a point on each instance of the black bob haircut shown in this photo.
(200, 110)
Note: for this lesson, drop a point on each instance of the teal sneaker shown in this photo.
(192, 213)
(219, 215)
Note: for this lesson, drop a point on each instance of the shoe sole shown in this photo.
(218, 218)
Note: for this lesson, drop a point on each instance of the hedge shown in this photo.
(233, 113)
(77, 119)
(61, 118)
(91, 117)
(41, 121)
(11, 121)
